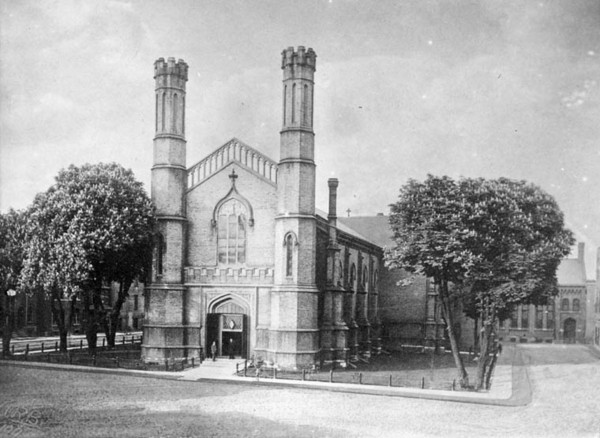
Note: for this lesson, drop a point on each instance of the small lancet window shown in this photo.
(156, 113)
(289, 255)
(175, 109)
(305, 105)
(353, 277)
(160, 249)
(284, 103)
(565, 304)
(294, 103)
(162, 119)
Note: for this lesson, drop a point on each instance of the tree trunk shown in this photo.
(484, 356)
(449, 318)
(115, 313)
(8, 326)
(490, 370)
(59, 316)
(476, 336)
(91, 323)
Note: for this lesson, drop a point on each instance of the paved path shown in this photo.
(565, 380)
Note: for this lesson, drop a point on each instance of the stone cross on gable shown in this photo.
(348, 211)
(233, 176)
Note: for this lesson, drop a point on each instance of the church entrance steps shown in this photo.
(221, 368)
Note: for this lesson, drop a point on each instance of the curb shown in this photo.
(521, 394)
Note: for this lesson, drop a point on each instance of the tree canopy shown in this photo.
(12, 237)
(492, 244)
(94, 225)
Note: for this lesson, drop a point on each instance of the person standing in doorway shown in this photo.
(213, 350)
(231, 348)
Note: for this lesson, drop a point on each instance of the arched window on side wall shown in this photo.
(564, 306)
(231, 236)
(576, 305)
(365, 279)
(353, 277)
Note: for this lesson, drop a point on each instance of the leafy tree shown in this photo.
(488, 245)
(12, 236)
(92, 227)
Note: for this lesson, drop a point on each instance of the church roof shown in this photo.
(350, 229)
(571, 272)
(376, 229)
(233, 151)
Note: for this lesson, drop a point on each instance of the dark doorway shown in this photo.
(570, 330)
(223, 327)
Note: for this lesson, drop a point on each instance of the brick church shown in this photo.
(243, 258)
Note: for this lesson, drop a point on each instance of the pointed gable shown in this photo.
(232, 151)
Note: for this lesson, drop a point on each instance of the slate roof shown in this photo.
(376, 229)
(346, 229)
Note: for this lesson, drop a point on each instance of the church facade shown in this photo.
(243, 258)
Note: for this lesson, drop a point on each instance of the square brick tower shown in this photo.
(166, 332)
(294, 331)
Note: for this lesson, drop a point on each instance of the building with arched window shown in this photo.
(567, 318)
(243, 257)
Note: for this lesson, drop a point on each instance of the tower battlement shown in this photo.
(170, 67)
(301, 57)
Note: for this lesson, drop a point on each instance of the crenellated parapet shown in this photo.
(301, 57)
(170, 67)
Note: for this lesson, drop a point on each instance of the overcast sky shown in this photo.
(403, 88)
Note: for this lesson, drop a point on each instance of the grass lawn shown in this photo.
(407, 369)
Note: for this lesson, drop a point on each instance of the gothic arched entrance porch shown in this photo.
(227, 325)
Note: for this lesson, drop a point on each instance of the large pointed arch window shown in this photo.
(232, 227)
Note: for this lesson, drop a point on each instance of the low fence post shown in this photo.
(192, 361)
(26, 351)
(237, 369)
(13, 349)
(167, 364)
(81, 344)
(94, 360)
(303, 374)
(245, 367)
(454, 385)
(123, 340)
(132, 340)
(422, 382)
(42, 348)
(390, 383)
(103, 342)
(56, 346)
(360, 378)
(274, 373)
(331, 376)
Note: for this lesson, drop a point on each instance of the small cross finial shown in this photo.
(233, 176)
(348, 211)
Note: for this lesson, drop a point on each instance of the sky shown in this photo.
(403, 89)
